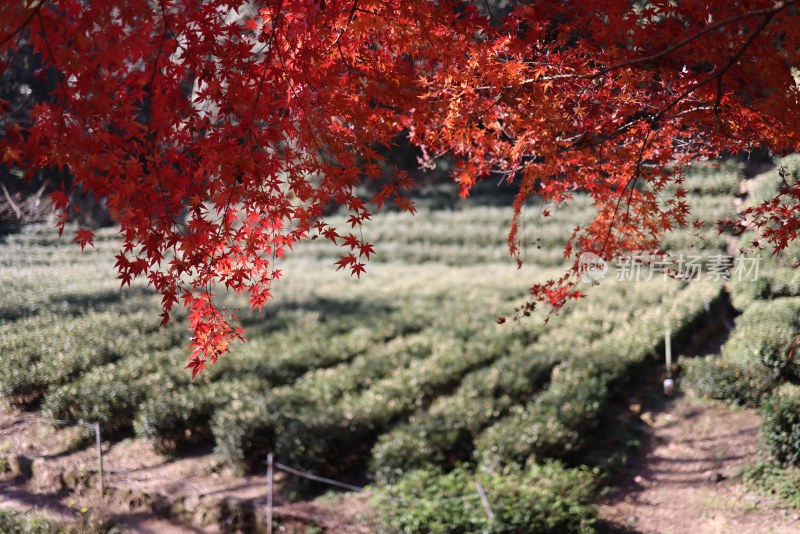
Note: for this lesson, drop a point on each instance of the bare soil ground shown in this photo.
(683, 480)
(147, 492)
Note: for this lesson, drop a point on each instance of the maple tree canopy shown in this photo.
(218, 131)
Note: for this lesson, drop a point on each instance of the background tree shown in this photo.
(218, 132)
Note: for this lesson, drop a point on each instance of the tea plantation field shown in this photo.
(402, 379)
(758, 364)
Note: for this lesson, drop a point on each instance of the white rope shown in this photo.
(330, 481)
(316, 478)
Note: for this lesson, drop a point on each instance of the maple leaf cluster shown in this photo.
(218, 131)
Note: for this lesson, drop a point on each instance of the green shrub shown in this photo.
(780, 311)
(444, 434)
(555, 424)
(19, 523)
(772, 479)
(767, 344)
(337, 437)
(12, 522)
(112, 394)
(737, 383)
(181, 417)
(540, 499)
(244, 431)
(774, 281)
(50, 351)
(780, 427)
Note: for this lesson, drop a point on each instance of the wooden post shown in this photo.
(269, 493)
(668, 351)
(669, 383)
(485, 501)
(99, 458)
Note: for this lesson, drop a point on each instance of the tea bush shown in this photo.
(780, 427)
(541, 498)
(244, 433)
(42, 352)
(178, 418)
(742, 384)
(444, 434)
(112, 394)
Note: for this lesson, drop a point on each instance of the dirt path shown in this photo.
(684, 478)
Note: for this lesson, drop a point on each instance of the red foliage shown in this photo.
(218, 135)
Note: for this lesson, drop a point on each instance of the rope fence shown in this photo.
(480, 493)
(272, 465)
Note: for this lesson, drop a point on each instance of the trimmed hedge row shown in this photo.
(556, 423)
(764, 334)
(754, 359)
(284, 356)
(178, 418)
(113, 393)
(328, 438)
(341, 436)
(43, 352)
(444, 434)
(244, 430)
(546, 499)
(777, 277)
(184, 416)
(743, 384)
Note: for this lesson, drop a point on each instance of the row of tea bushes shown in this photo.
(467, 236)
(74, 290)
(180, 417)
(546, 499)
(43, 352)
(557, 422)
(765, 333)
(183, 417)
(777, 275)
(284, 356)
(780, 428)
(455, 254)
(554, 424)
(769, 185)
(112, 394)
(444, 434)
(754, 359)
(330, 438)
(719, 178)
(743, 383)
